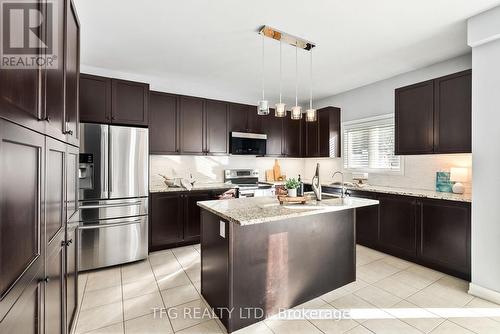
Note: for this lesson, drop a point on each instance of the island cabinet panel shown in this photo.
(216, 127)
(192, 131)
(95, 99)
(130, 101)
(292, 137)
(415, 119)
(453, 113)
(445, 229)
(273, 127)
(269, 266)
(166, 217)
(163, 124)
(398, 233)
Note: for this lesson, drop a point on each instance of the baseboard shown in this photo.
(485, 293)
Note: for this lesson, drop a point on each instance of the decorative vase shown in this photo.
(292, 192)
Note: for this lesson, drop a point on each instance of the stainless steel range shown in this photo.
(113, 195)
(248, 183)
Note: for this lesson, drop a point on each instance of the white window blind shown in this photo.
(369, 145)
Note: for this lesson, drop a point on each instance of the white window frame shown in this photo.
(370, 121)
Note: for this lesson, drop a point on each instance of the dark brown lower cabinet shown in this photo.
(445, 229)
(54, 291)
(71, 274)
(397, 231)
(192, 214)
(35, 274)
(175, 217)
(367, 221)
(434, 233)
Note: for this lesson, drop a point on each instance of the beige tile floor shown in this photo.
(389, 296)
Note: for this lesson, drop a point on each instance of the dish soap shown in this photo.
(300, 190)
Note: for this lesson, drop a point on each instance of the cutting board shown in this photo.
(269, 175)
(277, 169)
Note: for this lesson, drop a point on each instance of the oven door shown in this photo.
(248, 143)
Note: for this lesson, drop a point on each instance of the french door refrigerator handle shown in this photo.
(105, 158)
(110, 166)
(89, 227)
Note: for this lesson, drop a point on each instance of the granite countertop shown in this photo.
(163, 188)
(409, 192)
(255, 210)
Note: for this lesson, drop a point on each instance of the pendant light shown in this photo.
(296, 110)
(280, 110)
(311, 113)
(263, 106)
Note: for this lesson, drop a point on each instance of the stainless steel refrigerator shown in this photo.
(113, 195)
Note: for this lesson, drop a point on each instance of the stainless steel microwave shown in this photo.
(245, 143)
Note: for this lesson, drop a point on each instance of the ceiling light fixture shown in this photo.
(280, 110)
(263, 107)
(296, 110)
(311, 113)
(297, 42)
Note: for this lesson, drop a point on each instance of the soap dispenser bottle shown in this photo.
(300, 190)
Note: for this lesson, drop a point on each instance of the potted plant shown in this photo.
(292, 185)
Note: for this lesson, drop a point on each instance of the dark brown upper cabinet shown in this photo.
(434, 116)
(129, 102)
(216, 127)
(292, 137)
(95, 99)
(453, 113)
(106, 100)
(191, 114)
(322, 137)
(163, 119)
(71, 128)
(273, 127)
(244, 118)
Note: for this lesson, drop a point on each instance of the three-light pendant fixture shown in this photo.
(280, 108)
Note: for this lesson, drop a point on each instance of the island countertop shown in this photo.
(256, 210)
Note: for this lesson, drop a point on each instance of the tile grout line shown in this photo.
(159, 291)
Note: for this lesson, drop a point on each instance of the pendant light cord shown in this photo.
(281, 67)
(311, 88)
(263, 88)
(296, 76)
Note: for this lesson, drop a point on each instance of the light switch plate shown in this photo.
(222, 226)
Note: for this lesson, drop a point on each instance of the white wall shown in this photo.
(484, 36)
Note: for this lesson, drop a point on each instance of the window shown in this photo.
(369, 145)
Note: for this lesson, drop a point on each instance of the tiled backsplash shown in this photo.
(419, 171)
(211, 168)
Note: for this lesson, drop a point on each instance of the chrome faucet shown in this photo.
(316, 184)
(343, 185)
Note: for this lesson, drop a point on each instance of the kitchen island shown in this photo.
(259, 257)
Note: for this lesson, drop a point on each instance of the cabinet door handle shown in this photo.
(45, 280)
(68, 132)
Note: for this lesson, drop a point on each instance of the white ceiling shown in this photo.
(211, 48)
